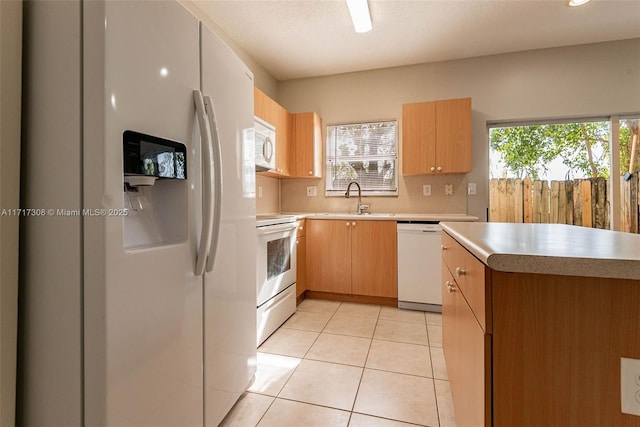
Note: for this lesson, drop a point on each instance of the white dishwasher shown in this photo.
(420, 265)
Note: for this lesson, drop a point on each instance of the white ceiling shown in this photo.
(304, 38)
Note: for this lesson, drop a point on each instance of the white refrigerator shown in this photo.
(137, 301)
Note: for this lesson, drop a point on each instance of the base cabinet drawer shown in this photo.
(472, 277)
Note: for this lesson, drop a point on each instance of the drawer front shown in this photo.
(471, 276)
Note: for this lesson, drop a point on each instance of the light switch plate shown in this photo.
(448, 189)
(630, 385)
(426, 190)
(259, 191)
(471, 188)
(312, 191)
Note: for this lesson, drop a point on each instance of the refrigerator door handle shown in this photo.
(207, 199)
(217, 168)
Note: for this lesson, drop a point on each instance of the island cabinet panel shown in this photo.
(548, 352)
(467, 351)
(557, 344)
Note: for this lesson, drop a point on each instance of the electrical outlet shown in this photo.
(630, 385)
(448, 189)
(426, 190)
(471, 188)
(259, 191)
(312, 191)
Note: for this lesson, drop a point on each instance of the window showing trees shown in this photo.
(629, 152)
(366, 153)
(550, 151)
(562, 173)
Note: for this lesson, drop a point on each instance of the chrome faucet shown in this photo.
(361, 207)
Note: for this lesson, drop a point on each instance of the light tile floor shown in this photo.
(345, 364)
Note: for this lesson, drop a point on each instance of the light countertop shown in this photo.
(390, 217)
(550, 249)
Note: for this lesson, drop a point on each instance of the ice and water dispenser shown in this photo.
(155, 191)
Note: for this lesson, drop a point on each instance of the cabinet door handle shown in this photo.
(450, 287)
(439, 168)
(353, 223)
(443, 247)
(348, 223)
(310, 172)
(433, 168)
(460, 272)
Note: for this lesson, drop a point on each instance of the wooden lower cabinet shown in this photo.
(301, 267)
(352, 257)
(301, 258)
(374, 260)
(329, 256)
(467, 350)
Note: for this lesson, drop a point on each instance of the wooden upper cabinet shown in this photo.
(262, 105)
(418, 137)
(283, 126)
(271, 112)
(436, 137)
(298, 139)
(306, 146)
(453, 135)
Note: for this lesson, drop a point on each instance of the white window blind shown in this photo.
(366, 153)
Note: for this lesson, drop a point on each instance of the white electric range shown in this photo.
(276, 272)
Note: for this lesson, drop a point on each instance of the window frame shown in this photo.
(332, 157)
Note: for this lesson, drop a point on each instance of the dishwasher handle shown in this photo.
(419, 228)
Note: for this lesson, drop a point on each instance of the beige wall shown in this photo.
(10, 78)
(262, 78)
(269, 201)
(563, 82)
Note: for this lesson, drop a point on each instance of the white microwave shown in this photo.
(265, 137)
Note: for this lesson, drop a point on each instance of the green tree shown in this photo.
(629, 133)
(528, 150)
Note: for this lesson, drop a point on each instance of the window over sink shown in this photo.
(366, 153)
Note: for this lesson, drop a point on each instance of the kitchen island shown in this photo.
(536, 319)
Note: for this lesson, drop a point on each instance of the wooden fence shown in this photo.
(582, 202)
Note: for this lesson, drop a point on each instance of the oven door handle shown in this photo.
(270, 229)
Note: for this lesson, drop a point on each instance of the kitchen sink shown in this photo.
(375, 214)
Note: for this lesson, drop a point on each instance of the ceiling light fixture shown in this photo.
(574, 3)
(359, 10)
